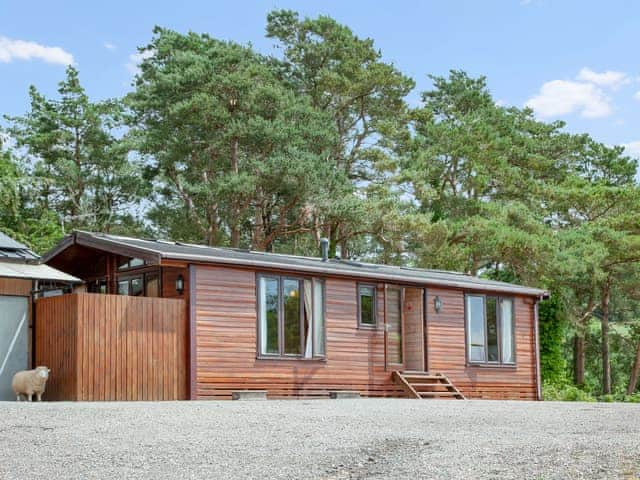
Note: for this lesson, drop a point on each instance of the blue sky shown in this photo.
(571, 60)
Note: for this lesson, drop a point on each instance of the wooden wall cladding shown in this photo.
(225, 337)
(15, 286)
(109, 347)
(447, 350)
(225, 310)
(169, 276)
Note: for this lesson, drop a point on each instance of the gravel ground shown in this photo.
(325, 439)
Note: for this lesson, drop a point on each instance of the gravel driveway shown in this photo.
(326, 439)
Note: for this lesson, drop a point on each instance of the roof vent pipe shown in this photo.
(324, 249)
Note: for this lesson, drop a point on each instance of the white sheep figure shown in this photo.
(29, 382)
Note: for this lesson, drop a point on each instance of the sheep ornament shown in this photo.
(29, 382)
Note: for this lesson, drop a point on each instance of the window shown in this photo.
(133, 286)
(291, 315)
(97, 286)
(367, 306)
(490, 330)
(131, 263)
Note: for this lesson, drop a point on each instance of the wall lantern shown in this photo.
(437, 304)
(180, 284)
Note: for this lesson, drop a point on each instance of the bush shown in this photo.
(552, 322)
(571, 393)
(566, 393)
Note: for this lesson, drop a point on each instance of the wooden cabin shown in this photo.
(166, 320)
(22, 278)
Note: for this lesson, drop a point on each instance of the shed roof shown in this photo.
(11, 249)
(34, 272)
(157, 250)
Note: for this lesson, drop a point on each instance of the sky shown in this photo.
(569, 60)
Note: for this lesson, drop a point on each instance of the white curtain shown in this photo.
(506, 315)
(318, 317)
(263, 314)
(308, 327)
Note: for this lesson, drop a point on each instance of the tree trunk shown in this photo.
(578, 358)
(235, 211)
(635, 371)
(606, 365)
(333, 241)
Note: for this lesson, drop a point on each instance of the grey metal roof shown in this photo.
(11, 249)
(204, 254)
(17, 261)
(34, 272)
(10, 243)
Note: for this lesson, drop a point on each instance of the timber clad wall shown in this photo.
(226, 336)
(110, 347)
(447, 351)
(14, 286)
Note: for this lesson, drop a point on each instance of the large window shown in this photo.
(291, 315)
(490, 330)
(367, 306)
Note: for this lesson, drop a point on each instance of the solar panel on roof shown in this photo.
(9, 243)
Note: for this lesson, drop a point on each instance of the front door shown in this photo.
(14, 328)
(413, 313)
(393, 328)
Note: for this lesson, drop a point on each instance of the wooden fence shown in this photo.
(110, 347)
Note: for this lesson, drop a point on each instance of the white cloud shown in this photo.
(133, 65)
(561, 97)
(11, 49)
(632, 149)
(109, 46)
(610, 78)
(637, 95)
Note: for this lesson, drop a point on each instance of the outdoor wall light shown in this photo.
(180, 284)
(437, 304)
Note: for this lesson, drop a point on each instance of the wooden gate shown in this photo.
(111, 347)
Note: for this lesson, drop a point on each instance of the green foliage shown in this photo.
(237, 156)
(552, 326)
(79, 168)
(345, 77)
(21, 215)
(566, 393)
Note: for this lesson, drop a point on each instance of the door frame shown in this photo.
(23, 326)
(392, 366)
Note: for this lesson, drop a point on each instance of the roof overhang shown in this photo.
(104, 244)
(28, 271)
(158, 257)
(515, 289)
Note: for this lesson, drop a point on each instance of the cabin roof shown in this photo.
(159, 250)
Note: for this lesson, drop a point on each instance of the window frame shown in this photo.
(486, 363)
(374, 288)
(281, 355)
